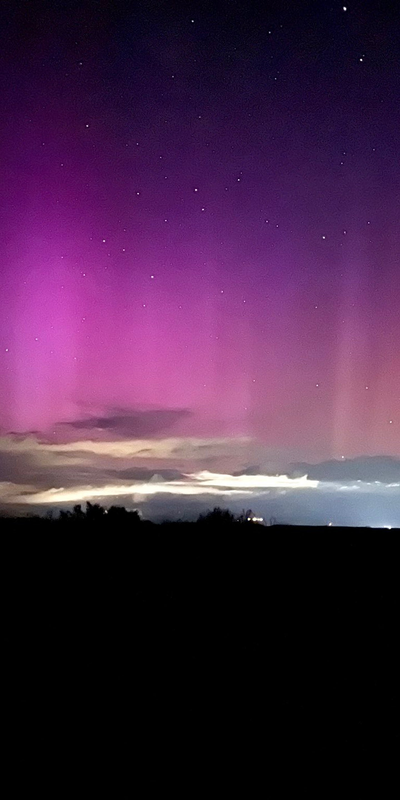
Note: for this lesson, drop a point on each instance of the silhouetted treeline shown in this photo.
(95, 515)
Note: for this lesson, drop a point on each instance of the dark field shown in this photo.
(175, 658)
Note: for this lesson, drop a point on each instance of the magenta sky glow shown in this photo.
(202, 218)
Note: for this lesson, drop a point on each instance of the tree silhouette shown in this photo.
(117, 513)
(94, 512)
(79, 515)
(218, 516)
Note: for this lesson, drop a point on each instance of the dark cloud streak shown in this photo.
(127, 423)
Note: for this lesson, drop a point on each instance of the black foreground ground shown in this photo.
(179, 659)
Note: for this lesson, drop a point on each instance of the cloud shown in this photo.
(128, 423)
(368, 469)
(14, 468)
(172, 451)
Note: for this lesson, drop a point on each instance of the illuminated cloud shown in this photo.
(203, 483)
(252, 482)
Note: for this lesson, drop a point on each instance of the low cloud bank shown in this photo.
(170, 474)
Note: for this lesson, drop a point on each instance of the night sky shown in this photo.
(200, 256)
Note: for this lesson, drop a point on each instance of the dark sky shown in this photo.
(199, 244)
